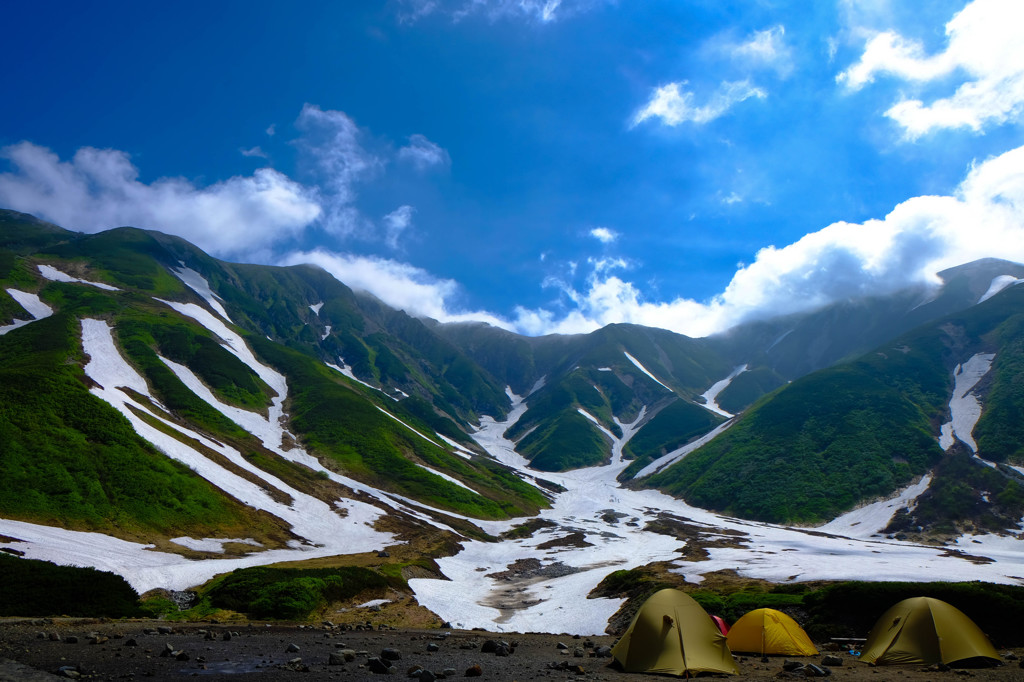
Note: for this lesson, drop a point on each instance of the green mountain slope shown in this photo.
(837, 437)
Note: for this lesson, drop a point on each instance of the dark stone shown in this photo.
(790, 666)
(336, 658)
(226, 637)
(603, 652)
(474, 671)
(131, 641)
(383, 554)
(379, 667)
(71, 639)
(292, 648)
(427, 676)
(832, 660)
(180, 656)
(433, 647)
(811, 670)
(164, 630)
(166, 651)
(489, 647)
(562, 645)
(414, 671)
(391, 654)
(53, 637)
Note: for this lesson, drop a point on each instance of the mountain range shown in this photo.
(153, 394)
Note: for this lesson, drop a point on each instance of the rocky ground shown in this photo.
(136, 650)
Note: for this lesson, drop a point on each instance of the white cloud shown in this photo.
(919, 237)
(334, 154)
(984, 45)
(604, 235)
(254, 151)
(423, 154)
(765, 48)
(674, 107)
(400, 285)
(271, 129)
(395, 223)
(99, 189)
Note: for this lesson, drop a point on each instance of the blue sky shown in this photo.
(545, 166)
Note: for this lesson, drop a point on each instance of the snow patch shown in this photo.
(964, 406)
(32, 305)
(644, 370)
(197, 283)
(54, 275)
(316, 307)
(327, 332)
(212, 544)
(998, 284)
(679, 453)
(871, 519)
(712, 393)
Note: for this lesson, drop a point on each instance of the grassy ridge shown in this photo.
(345, 426)
(674, 426)
(1000, 430)
(67, 458)
(813, 450)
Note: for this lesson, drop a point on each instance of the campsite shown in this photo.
(669, 636)
(260, 652)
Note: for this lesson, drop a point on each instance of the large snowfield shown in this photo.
(595, 526)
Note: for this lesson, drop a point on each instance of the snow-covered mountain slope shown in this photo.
(172, 417)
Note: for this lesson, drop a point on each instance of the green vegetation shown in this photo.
(964, 495)
(69, 459)
(289, 593)
(569, 441)
(127, 257)
(850, 609)
(1000, 431)
(674, 426)
(344, 425)
(818, 446)
(183, 342)
(40, 588)
(747, 387)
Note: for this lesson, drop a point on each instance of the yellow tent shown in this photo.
(672, 634)
(767, 631)
(925, 630)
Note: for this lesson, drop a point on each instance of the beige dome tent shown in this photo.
(767, 631)
(672, 634)
(925, 630)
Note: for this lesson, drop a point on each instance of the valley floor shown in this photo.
(29, 650)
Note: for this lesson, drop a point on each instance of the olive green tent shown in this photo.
(672, 634)
(925, 630)
(767, 631)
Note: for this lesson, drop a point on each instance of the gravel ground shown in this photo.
(97, 650)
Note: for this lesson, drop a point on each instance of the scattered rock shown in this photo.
(336, 658)
(433, 647)
(391, 654)
(562, 645)
(427, 676)
(832, 660)
(377, 666)
(603, 652)
(71, 639)
(131, 641)
(292, 648)
(474, 671)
